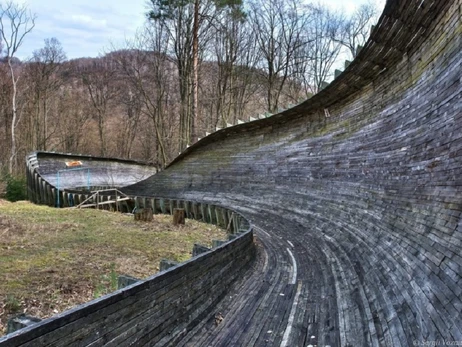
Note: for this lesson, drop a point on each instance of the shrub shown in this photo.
(12, 304)
(15, 188)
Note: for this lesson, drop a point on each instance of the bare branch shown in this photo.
(21, 22)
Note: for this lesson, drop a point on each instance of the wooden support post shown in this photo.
(144, 214)
(178, 216)
(162, 206)
(217, 243)
(20, 321)
(125, 280)
(166, 264)
(199, 249)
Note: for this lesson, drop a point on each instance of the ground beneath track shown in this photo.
(54, 259)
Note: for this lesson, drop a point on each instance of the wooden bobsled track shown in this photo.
(354, 199)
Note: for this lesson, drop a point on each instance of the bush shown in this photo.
(16, 188)
(12, 304)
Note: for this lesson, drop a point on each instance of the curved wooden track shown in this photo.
(355, 196)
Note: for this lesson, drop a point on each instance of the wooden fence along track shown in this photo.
(355, 199)
(95, 200)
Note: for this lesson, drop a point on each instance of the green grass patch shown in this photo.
(53, 259)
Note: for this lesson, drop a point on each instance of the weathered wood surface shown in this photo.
(178, 216)
(20, 321)
(165, 264)
(98, 172)
(199, 249)
(126, 280)
(366, 197)
(358, 190)
(143, 214)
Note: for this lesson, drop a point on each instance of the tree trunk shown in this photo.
(13, 122)
(45, 122)
(195, 52)
(101, 133)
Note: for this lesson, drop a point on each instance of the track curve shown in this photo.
(62, 179)
(354, 195)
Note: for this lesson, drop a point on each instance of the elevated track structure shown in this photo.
(355, 197)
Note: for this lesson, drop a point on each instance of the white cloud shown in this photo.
(86, 27)
(88, 21)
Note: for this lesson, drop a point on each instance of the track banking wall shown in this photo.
(50, 181)
(366, 175)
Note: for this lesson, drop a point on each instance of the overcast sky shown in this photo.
(86, 28)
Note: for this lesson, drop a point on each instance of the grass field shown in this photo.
(53, 259)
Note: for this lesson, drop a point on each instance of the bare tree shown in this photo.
(189, 23)
(5, 114)
(71, 135)
(355, 30)
(323, 49)
(226, 47)
(43, 71)
(279, 26)
(149, 74)
(246, 86)
(195, 70)
(132, 104)
(21, 22)
(99, 80)
(177, 17)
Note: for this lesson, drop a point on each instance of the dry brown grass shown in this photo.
(53, 259)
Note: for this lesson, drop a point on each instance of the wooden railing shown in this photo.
(94, 200)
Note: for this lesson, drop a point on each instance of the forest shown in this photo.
(195, 66)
